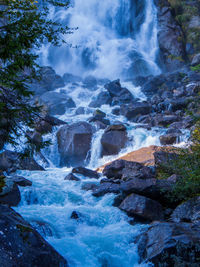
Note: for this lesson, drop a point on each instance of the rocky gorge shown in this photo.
(121, 211)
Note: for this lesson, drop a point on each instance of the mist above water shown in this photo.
(114, 39)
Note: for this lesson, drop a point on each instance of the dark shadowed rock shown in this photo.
(90, 82)
(21, 181)
(72, 177)
(113, 140)
(119, 94)
(22, 246)
(89, 186)
(170, 244)
(86, 172)
(168, 139)
(164, 120)
(133, 110)
(49, 81)
(45, 124)
(11, 161)
(142, 207)
(74, 143)
(189, 211)
(103, 98)
(170, 38)
(122, 169)
(70, 78)
(106, 188)
(196, 60)
(9, 193)
(57, 103)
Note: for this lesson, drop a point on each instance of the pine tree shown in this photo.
(24, 27)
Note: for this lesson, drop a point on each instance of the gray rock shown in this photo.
(72, 177)
(122, 169)
(137, 109)
(11, 161)
(57, 103)
(74, 143)
(170, 244)
(103, 98)
(189, 211)
(49, 81)
(113, 140)
(168, 139)
(70, 78)
(142, 207)
(90, 82)
(196, 60)
(86, 172)
(119, 94)
(169, 38)
(9, 192)
(22, 246)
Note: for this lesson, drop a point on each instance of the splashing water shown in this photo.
(115, 39)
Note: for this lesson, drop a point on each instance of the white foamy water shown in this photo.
(115, 39)
(102, 236)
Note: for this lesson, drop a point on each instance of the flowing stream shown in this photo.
(114, 39)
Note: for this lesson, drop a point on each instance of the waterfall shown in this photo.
(114, 39)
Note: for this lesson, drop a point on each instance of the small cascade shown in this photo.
(95, 150)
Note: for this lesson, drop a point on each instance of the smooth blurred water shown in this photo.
(102, 236)
(114, 39)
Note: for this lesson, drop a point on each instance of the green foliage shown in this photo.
(24, 27)
(185, 165)
(196, 68)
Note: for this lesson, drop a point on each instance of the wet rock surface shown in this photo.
(170, 244)
(22, 246)
(142, 207)
(11, 161)
(113, 140)
(74, 143)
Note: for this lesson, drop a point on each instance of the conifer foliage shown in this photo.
(24, 27)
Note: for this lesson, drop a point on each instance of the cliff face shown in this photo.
(179, 31)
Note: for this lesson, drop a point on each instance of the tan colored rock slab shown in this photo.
(143, 155)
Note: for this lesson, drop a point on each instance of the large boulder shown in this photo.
(103, 98)
(9, 192)
(22, 246)
(142, 207)
(188, 211)
(113, 140)
(170, 244)
(57, 103)
(45, 124)
(11, 161)
(74, 143)
(132, 111)
(49, 81)
(164, 120)
(85, 172)
(119, 94)
(125, 170)
(170, 38)
(168, 139)
(196, 60)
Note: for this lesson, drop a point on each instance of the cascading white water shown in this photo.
(114, 39)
